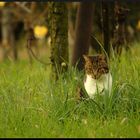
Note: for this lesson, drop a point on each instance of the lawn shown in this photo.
(32, 105)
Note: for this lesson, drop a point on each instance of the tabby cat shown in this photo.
(97, 75)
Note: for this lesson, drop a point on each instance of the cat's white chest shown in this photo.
(93, 86)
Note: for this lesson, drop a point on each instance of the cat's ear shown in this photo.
(86, 57)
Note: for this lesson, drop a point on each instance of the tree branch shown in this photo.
(22, 5)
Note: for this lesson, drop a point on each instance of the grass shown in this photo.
(32, 105)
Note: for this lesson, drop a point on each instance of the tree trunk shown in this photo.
(8, 38)
(83, 32)
(106, 31)
(5, 32)
(119, 39)
(58, 22)
(71, 30)
(13, 45)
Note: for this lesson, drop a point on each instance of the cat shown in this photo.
(98, 78)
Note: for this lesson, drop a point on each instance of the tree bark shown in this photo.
(106, 31)
(120, 37)
(8, 38)
(5, 32)
(58, 22)
(83, 32)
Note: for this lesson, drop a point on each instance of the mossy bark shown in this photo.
(58, 25)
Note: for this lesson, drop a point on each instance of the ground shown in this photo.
(32, 105)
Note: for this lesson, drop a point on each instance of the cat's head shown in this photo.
(96, 65)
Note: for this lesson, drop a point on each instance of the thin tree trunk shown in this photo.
(71, 30)
(8, 38)
(106, 31)
(119, 39)
(83, 32)
(13, 45)
(58, 22)
(5, 32)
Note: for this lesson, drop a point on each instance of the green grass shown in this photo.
(32, 105)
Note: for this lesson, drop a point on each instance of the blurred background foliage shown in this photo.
(18, 20)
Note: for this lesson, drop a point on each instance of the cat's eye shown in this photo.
(100, 59)
(89, 69)
(94, 64)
